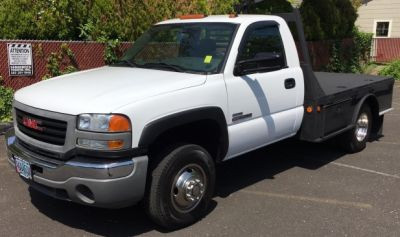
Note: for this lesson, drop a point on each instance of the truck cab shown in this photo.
(190, 93)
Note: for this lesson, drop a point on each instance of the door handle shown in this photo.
(290, 83)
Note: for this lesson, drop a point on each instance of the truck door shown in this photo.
(265, 94)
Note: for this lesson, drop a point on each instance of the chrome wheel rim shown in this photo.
(188, 188)
(362, 127)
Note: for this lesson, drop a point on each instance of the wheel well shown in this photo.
(205, 133)
(373, 104)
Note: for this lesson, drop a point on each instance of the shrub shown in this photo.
(350, 57)
(328, 19)
(61, 62)
(392, 69)
(6, 98)
(272, 6)
(124, 20)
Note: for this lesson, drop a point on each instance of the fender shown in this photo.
(155, 128)
(374, 107)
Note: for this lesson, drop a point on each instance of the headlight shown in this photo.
(112, 131)
(104, 123)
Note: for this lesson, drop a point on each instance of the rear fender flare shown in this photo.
(370, 98)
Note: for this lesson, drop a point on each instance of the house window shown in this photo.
(382, 29)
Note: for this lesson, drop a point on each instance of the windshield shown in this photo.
(194, 48)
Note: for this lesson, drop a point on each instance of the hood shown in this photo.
(104, 89)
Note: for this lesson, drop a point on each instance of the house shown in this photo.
(381, 17)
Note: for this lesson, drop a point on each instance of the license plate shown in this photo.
(23, 168)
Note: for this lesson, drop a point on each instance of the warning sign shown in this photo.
(20, 59)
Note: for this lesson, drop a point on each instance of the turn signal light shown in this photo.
(100, 144)
(309, 109)
(119, 123)
(115, 144)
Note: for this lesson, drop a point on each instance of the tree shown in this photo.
(271, 6)
(356, 3)
(328, 19)
(41, 19)
(116, 19)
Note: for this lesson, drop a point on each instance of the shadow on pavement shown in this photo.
(267, 162)
(232, 176)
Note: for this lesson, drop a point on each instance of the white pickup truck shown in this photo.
(190, 93)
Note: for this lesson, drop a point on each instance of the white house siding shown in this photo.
(379, 10)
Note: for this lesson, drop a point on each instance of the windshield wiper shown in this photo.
(175, 68)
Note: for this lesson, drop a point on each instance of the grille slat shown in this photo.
(51, 131)
(45, 121)
(48, 130)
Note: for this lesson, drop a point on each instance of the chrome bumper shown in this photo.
(90, 181)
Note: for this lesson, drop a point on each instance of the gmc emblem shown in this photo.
(32, 123)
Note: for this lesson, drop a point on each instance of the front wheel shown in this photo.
(356, 139)
(181, 186)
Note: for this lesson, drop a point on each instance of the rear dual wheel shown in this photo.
(355, 140)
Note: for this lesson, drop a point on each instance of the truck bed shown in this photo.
(335, 83)
(341, 95)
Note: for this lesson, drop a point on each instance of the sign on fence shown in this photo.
(20, 59)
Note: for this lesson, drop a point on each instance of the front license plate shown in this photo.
(23, 168)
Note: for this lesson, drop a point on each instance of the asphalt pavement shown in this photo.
(288, 189)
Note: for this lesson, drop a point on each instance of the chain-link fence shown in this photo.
(86, 55)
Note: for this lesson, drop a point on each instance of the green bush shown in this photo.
(392, 69)
(271, 6)
(61, 62)
(113, 19)
(6, 98)
(41, 19)
(350, 57)
(328, 19)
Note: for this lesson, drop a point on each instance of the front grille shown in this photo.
(41, 128)
(38, 150)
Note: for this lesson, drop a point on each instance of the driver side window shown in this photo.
(261, 49)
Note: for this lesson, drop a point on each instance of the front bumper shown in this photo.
(91, 181)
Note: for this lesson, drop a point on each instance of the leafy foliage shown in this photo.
(363, 43)
(41, 19)
(392, 69)
(351, 57)
(328, 19)
(112, 19)
(61, 62)
(272, 6)
(6, 98)
(357, 3)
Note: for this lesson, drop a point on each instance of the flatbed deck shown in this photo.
(335, 83)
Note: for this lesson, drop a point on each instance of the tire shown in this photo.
(181, 186)
(355, 140)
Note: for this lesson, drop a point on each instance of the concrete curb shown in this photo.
(4, 127)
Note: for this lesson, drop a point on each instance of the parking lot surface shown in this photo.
(288, 189)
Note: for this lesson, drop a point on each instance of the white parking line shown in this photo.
(391, 143)
(311, 199)
(366, 170)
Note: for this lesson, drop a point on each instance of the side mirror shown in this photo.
(238, 70)
(267, 63)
